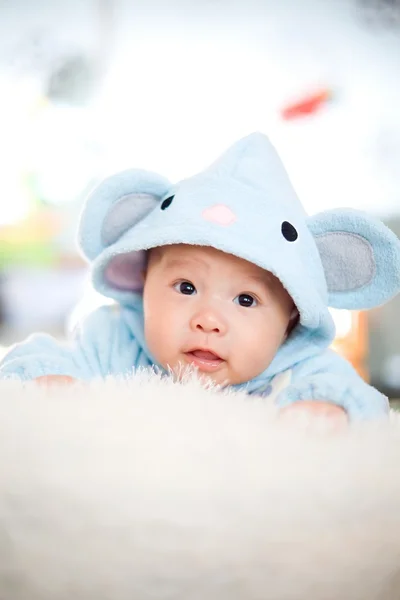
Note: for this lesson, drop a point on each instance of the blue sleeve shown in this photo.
(102, 345)
(331, 378)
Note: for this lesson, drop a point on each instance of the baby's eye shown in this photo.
(185, 287)
(246, 300)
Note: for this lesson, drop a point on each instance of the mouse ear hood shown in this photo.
(116, 205)
(360, 257)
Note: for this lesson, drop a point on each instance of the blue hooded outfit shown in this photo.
(243, 204)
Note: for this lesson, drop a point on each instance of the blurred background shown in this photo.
(88, 87)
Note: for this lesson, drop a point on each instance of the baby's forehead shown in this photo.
(175, 255)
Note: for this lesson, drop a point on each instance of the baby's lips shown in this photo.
(205, 354)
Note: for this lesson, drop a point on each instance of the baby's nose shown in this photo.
(220, 214)
(209, 321)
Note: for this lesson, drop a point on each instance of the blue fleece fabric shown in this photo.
(341, 258)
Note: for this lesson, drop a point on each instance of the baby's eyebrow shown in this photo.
(182, 262)
(263, 280)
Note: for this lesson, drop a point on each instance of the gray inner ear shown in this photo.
(125, 213)
(348, 260)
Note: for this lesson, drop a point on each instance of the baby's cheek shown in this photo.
(254, 355)
(267, 340)
(154, 338)
(161, 340)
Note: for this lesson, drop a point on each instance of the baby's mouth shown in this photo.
(205, 360)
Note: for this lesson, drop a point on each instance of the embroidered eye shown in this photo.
(289, 232)
(245, 300)
(167, 202)
(185, 287)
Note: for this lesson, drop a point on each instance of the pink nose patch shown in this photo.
(220, 214)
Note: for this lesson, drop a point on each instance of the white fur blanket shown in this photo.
(152, 490)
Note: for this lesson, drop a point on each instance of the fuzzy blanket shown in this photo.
(152, 490)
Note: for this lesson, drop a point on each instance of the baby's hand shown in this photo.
(316, 415)
(54, 380)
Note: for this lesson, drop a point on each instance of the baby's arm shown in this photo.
(331, 379)
(102, 345)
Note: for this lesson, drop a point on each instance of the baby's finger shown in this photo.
(54, 380)
(316, 416)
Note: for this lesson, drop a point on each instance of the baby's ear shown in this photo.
(116, 205)
(360, 257)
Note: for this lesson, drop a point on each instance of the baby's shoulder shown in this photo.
(325, 362)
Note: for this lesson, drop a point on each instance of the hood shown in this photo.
(243, 204)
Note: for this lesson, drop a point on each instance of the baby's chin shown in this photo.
(219, 374)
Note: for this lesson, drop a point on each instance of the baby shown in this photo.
(226, 272)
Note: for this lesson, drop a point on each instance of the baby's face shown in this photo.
(223, 314)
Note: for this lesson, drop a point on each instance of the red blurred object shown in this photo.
(307, 105)
(354, 345)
